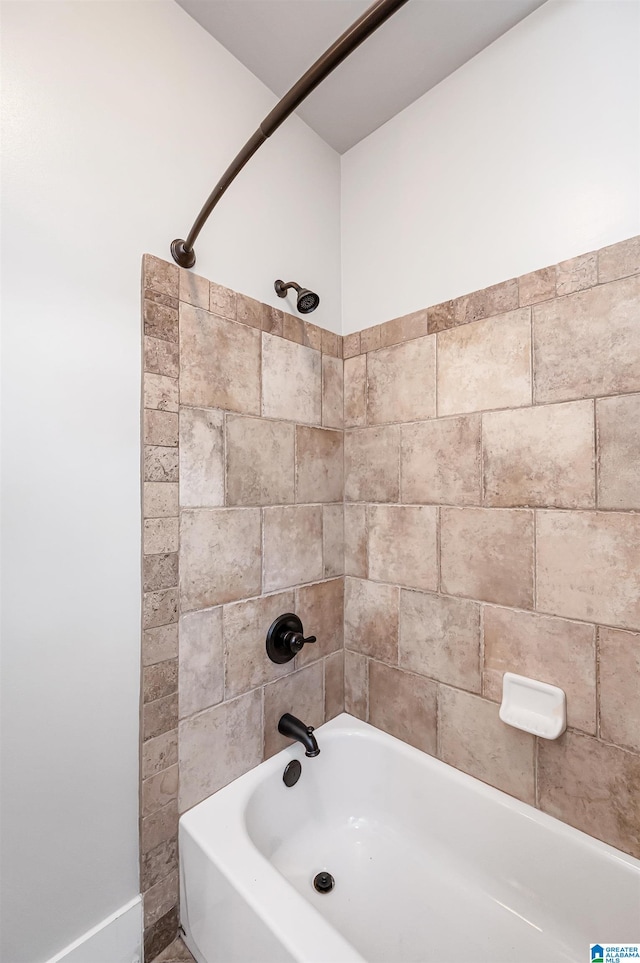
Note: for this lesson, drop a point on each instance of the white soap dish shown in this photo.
(533, 706)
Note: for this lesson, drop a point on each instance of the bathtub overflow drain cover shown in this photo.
(324, 882)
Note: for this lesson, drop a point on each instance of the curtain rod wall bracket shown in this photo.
(181, 255)
(182, 251)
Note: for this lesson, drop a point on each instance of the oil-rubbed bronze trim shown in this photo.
(182, 251)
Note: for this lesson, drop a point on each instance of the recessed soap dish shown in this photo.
(533, 706)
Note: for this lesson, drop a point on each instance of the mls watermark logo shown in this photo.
(614, 952)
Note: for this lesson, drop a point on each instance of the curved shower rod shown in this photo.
(182, 251)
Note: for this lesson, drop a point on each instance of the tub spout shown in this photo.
(295, 729)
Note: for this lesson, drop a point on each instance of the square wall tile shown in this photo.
(293, 328)
(537, 286)
(218, 745)
(160, 464)
(161, 358)
(440, 638)
(160, 392)
(159, 275)
(292, 546)
(260, 461)
(291, 381)
(159, 608)
(219, 362)
(487, 554)
(550, 650)
(441, 461)
(333, 685)
(355, 391)
(619, 660)
(403, 545)
(158, 827)
(158, 790)
(321, 609)
(351, 345)
(618, 428)
(222, 301)
(159, 571)
(356, 685)
(301, 694)
(486, 302)
(201, 458)
(332, 392)
(333, 540)
(372, 464)
(220, 556)
(201, 669)
(619, 260)
(160, 536)
(160, 320)
(577, 273)
(160, 427)
(591, 786)
(159, 716)
(161, 898)
(473, 739)
(407, 328)
(249, 311)
(370, 338)
(588, 566)
(355, 541)
(159, 753)
(404, 705)
(159, 863)
(486, 364)
(160, 644)
(542, 457)
(371, 619)
(194, 289)
(246, 663)
(319, 465)
(159, 680)
(402, 382)
(588, 343)
(160, 500)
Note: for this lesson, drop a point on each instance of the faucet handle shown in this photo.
(295, 641)
(285, 638)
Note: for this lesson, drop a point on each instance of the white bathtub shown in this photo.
(429, 865)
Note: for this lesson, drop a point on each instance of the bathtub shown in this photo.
(429, 865)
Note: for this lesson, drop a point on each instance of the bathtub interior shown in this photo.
(428, 862)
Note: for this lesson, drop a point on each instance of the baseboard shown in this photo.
(117, 939)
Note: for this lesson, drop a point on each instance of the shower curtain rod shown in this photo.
(182, 251)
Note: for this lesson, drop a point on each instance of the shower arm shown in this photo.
(182, 251)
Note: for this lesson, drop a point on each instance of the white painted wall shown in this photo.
(119, 117)
(527, 155)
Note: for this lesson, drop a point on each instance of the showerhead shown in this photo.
(307, 301)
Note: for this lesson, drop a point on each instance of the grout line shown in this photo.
(596, 455)
(481, 649)
(483, 481)
(535, 560)
(597, 668)
(531, 355)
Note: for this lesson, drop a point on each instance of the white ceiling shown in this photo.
(419, 46)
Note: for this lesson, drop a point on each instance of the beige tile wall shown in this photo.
(492, 523)
(488, 454)
(243, 520)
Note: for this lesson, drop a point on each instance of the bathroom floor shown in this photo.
(176, 952)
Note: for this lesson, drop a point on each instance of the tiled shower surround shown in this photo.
(490, 471)
(243, 521)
